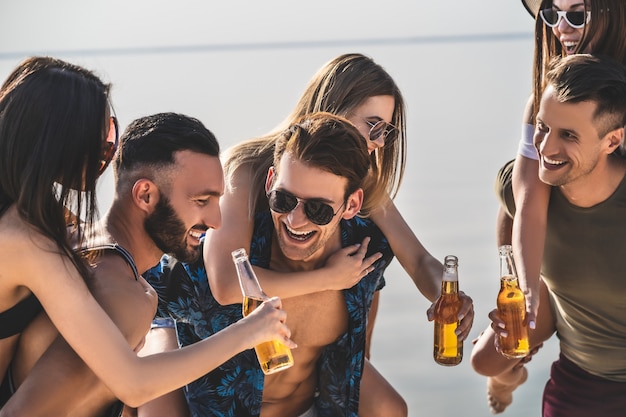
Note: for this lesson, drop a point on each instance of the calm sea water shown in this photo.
(464, 70)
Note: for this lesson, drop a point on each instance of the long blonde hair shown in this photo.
(339, 87)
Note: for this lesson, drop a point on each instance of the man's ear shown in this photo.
(353, 204)
(615, 139)
(269, 180)
(145, 195)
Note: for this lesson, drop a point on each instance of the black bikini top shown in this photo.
(15, 319)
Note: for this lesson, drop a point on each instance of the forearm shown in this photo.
(529, 226)
(424, 269)
(173, 404)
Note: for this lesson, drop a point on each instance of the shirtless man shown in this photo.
(314, 191)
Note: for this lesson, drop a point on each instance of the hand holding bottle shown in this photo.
(273, 355)
(513, 341)
(448, 348)
(267, 323)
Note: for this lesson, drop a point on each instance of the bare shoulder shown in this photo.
(26, 251)
(131, 303)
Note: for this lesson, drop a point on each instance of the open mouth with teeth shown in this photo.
(196, 234)
(570, 47)
(296, 235)
(552, 163)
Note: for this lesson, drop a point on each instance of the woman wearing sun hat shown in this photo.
(562, 27)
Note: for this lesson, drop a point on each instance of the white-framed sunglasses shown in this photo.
(576, 19)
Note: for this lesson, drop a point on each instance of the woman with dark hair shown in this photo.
(57, 135)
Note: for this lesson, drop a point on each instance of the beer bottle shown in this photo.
(273, 356)
(512, 308)
(448, 349)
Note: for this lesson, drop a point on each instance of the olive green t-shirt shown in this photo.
(584, 266)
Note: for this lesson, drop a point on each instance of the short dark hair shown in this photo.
(152, 142)
(584, 77)
(330, 143)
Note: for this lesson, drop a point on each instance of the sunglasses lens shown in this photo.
(384, 130)
(575, 19)
(110, 145)
(377, 130)
(318, 212)
(549, 16)
(282, 202)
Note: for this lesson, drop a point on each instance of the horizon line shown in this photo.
(225, 47)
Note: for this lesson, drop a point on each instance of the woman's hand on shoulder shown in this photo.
(346, 267)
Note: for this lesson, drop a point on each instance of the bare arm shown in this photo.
(485, 357)
(424, 269)
(173, 404)
(529, 227)
(101, 345)
(62, 383)
(341, 271)
(529, 224)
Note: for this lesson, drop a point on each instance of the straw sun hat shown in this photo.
(532, 6)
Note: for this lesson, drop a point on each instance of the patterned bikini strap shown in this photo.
(120, 250)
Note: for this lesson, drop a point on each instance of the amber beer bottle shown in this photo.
(448, 349)
(512, 308)
(273, 356)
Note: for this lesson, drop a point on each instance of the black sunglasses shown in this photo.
(317, 211)
(109, 146)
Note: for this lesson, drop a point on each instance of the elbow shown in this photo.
(224, 285)
(224, 295)
(136, 396)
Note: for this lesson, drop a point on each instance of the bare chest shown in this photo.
(316, 319)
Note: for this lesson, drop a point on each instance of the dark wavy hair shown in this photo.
(52, 126)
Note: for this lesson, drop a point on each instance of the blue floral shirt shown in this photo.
(236, 387)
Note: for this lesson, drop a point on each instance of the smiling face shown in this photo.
(567, 140)
(568, 36)
(372, 110)
(298, 237)
(188, 207)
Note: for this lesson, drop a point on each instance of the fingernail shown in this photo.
(501, 325)
(531, 324)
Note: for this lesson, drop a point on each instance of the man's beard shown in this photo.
(168, 232)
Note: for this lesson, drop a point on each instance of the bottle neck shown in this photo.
(507, 264)
(449, 287)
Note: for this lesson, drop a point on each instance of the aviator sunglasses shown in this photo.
(110, 145)
(317, 211)
(576, 20)
(381, 129)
